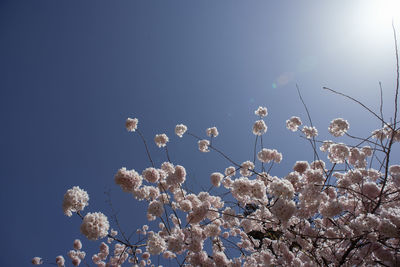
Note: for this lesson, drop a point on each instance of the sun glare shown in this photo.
(379, 14)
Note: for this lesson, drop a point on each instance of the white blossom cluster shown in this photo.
(293, 123)
(131, 124)
(180, 129)
(268, 155)
(95, 225)
(338, 127)
(75, 200)
(344, 211)
(161, 140)
(212, 132)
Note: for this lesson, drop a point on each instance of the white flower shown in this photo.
(203, 145)
(95, 225)
(161, 140)
(155, 244)
(212, 132)
(267, 155)
(129, 180)
(180, 129)
(60, 261)
(310, 132)
(131, 124)
(338, 127)
(293, 123)
(75, 199)
(216, 178)
(259, 127)
(37, 261)
(261, 111)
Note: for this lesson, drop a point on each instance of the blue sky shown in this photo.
(71, 72)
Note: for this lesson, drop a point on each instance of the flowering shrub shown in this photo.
(342, 211)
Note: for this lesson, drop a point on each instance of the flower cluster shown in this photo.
(161, 140)
(75, 200)
(131, 124)
(95, 225)
(293, 123)
(340, 211)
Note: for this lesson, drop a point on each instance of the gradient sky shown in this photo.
(71, 72)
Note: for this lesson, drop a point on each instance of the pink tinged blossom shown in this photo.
(220, 259)
(216, 179)
(129, 180)
(77, 244)
(261, 111)
(161, 140)
(380, 134)
(293, 123)
(230, 171)
(283, 209)
(367, 150)
(370, 189)
(318, 164)
(76, 261)
(326, 145)
(37, 261)
(168, 168)
(155, 244)
(203, 145)
(331, 208)
(75, 199)
(151, 175)
(338, 127)
(212, 132)
(113, 232)
(95, 225)
(246, 168)
(259, 128)
(185, 205)
(131, 124)
(338, 153)
(310, 132)
(60, 261)
(281, 188)
(267, 155)
(180, 129)
(301, 166)
(199, 213)
(155, 208)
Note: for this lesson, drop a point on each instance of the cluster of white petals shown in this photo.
(310, 132)
(212, 132)
(338, 153)
(281, 188)
(131, 124)
(75, 199)
(60, 261)
(95, 225)
(259, 127)
(338, 127)
(203, 145)
(180, 129)
(293, 123)
(268, 155)
(261, 111)
(216, 178)
(129, 180)
(37, 261)
(246, 168)
(344, 212)
(155, 244)
(161, 140)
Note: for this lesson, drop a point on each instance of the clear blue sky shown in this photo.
(71, 72)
